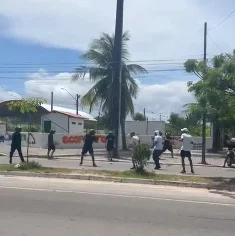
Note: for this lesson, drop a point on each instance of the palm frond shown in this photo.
(136, 69)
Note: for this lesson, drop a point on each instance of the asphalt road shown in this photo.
(84, 208)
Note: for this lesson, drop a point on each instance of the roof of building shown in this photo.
(42, 110)
(70, 114)
(70, 111)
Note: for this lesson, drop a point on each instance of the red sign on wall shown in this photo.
(78, 139)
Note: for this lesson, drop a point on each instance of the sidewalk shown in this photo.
(169, 166)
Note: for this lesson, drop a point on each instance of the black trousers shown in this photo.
(13, 148)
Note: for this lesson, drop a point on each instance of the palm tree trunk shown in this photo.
(123, 128)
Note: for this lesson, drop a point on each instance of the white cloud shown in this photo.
(8, 95)
(159, 29)
(163, 98)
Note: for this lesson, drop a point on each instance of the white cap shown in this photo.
(157, 132)
(184, 130)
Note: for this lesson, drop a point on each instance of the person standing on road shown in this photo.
(186, 147)
(110, 144)
(89, 139)
(168, 144)
(134, 142)
(51, 144)
(16, 144)
(157, 149)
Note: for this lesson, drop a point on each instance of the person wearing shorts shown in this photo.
(89, 139)
(110, 142)
(187, 143)
(51, 145)
(168, 144)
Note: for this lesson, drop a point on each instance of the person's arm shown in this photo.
(106, 141)
(155, 140)
(182, 138)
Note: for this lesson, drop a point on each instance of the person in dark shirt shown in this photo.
(16, 144)
(168, 144)
(110, 141)
(88, 146)
(51, 144)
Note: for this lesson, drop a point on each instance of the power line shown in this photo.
(214, 43)
(222, 21)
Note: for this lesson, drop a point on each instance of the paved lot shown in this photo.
(84, 208)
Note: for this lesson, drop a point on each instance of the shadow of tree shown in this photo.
(221, 183)
(223, 193)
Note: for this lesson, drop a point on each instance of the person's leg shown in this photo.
(190, 162)
(93, 157)
(48, 152)
(182, 161)
(53, 151)
(158, 153)
(109, 155)
(225, 161)
(11, 154)
(20, 154)
(133, 159)
(171, 150)
(154, 158)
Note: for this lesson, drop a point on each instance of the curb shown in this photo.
(214, 186)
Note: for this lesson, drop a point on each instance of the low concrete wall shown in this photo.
(67, 141)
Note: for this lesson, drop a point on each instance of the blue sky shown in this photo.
(39, 38)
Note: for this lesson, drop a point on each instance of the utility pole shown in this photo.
(52, 101)
(117, 69)
(160, 116)
(77, 103)
(204, 108)
(144, 112)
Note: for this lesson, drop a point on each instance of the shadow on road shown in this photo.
(225, 194)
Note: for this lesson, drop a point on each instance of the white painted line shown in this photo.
(120, 195)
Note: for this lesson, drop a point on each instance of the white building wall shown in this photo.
(59, 122)
(76, 126)
(144, 127)
(2, 129)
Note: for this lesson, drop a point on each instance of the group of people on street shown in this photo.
(160, 145)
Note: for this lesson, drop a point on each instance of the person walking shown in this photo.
(110, 144)
(89, 139)
(167, 145)
(186, 147)
(134, 142)
(16, 144)
(51, 144)
(157, 149)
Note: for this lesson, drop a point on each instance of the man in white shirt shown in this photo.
(134, 142)
(157, 150)
(187, 144)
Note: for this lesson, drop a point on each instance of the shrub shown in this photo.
(29, 165)
(142, 154)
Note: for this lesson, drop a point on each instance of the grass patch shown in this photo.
(36, 168)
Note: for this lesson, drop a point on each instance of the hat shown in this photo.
(156, 132)
(184, 130)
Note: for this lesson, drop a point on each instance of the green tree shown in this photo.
(139, 117)
(214, 92)
(26, 106)
(103, 121)
(100, 55)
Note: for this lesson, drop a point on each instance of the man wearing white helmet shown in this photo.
(187, 143)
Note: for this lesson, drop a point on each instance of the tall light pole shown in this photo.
(75, 98)
(117, 69)
(204, 108)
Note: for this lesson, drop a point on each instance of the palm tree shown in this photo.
(100, 55)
